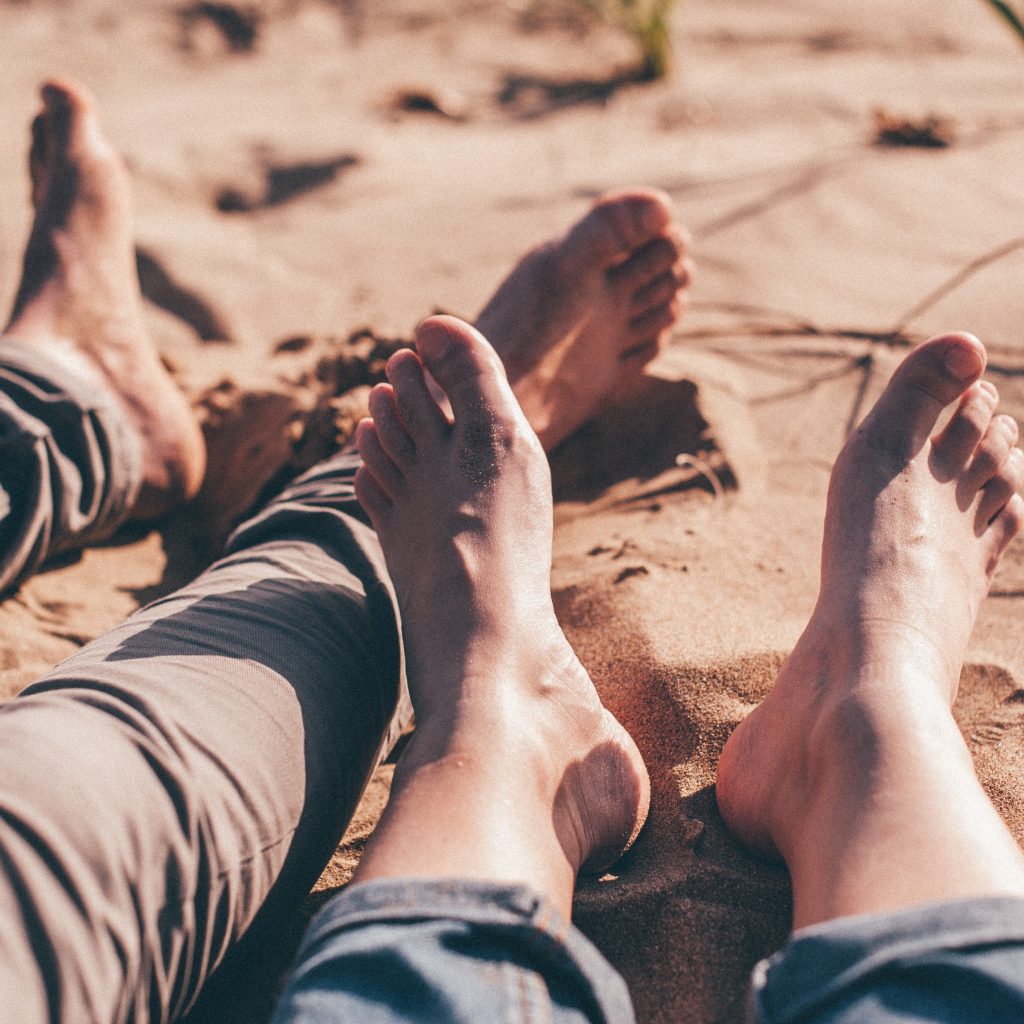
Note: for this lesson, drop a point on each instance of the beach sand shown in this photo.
(300, 206)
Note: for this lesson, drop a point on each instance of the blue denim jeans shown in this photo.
(960, 962)
(449, 952)
(406, 951)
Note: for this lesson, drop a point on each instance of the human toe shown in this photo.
(387, 475)
(619, 223)
(933, 376)
(650, 261)
(391, 432)
(372, 497)
(653, 322)
(1006, 525)
(650, 210)
(990, 455)
(77, 134)
(966, 427)
(71, 109)
(467, 369)
(421, 415)
(1006, 482)
(663, 288)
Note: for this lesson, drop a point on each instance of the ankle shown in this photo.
(872, 652)
(853, 746)
(838, 722)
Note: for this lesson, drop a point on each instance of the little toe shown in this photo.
(1004, 528)
(391, 432)
(990, 455)
(387, 475)
(372, 497)
(965, 429)
(468, 370)
(934, 375)
(419, 412)
(1000, 489)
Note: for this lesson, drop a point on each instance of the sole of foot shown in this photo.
(916, 523)
(79, 298)
(462, 506)
(579, 317)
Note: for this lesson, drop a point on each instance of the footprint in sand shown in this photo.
(1003, 718)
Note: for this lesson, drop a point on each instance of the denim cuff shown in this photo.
(449, 951)
(960, 961)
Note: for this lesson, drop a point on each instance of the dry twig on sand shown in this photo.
(1009, 15)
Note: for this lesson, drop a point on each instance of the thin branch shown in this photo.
(858, 401)
(1005, 11)
(954, 282)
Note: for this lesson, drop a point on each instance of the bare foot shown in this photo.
(582, 315)
(79, 294)
(463, 512)
(914, 529)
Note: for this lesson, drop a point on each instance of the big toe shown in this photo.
(934, 375)
(73, 119)
(618, 225)
(468, 370)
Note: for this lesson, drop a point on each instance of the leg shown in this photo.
(195, 766)
(79, 306)
(70, 461)
(853, 769)
(504, 709)
(516, 776)
(581, 315)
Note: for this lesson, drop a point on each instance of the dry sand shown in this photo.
(287, 200)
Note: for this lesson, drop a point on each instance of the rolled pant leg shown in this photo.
(70, 465)
(960, 962)
(403, 951)
(193, 765)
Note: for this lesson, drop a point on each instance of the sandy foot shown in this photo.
(463, 512)
(79, 294)
(580, 316)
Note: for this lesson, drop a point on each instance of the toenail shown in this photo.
(963, 362)
(437, 335)
(653, 218)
